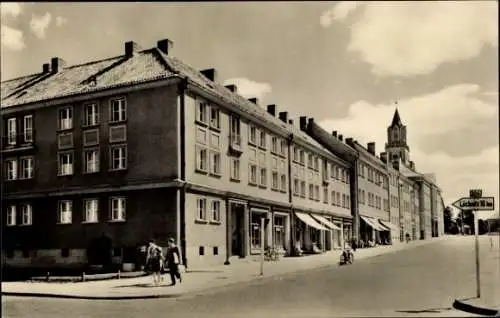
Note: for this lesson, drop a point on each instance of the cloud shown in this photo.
(12, 39)
(413, 38)
(248, 88)
(338, 12)
(10, 8)
(39, 24)
(60, 21)
(450, 110)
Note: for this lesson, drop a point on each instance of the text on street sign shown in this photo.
(480, 204)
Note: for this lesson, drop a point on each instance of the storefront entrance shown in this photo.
(237, 229)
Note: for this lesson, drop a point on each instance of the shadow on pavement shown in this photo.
(146, 285)
(421, 311)
(460, 304)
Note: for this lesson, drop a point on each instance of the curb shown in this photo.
(62, 296)
(187, 294)
(460, 305)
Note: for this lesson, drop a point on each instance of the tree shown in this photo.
(448, 222)
(468, 219)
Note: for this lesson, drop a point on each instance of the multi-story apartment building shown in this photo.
(102, 156)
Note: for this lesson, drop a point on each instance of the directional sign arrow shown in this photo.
(481, 204)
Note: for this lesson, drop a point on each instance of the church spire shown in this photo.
(396, 120)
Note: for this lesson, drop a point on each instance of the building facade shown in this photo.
(100, 157)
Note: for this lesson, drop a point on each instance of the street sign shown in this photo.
(475, 193)
(480, 204)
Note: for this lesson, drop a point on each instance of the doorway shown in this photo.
(237, 229)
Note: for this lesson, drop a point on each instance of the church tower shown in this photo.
(396, 146)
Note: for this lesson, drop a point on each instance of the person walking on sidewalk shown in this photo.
(154, 261)
(172, 260)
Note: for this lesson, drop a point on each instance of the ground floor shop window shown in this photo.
(279, 232)
(255, 229)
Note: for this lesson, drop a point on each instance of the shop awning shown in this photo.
(325, 222)
(373, 223)
(307, 219)
(389, 225)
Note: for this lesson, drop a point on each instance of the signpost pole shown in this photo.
(262, 238)
(478, 272)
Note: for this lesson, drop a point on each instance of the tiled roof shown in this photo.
(146, 65)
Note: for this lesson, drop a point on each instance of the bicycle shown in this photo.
(271, 254)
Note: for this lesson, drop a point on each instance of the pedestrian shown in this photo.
(154, 261)
(172, 260)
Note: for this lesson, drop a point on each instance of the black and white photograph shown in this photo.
(250, 159)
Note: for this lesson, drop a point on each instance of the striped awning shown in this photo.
(307, 219)
(373, 223)
(325, 222)
(389, 225)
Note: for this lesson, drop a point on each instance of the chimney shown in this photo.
(46, 68)
(130, 48)
(341, 138)
(271, 109)
(290, 122)
(311, 121)
(232, 88)
(371, 147)
(210, 73)
(383, 157)
(303, 123)
(165, 46)
(334, 133)
(283, 116)
(349, 141)
(412, 165)
(57, 64)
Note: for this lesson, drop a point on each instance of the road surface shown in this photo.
(422, 281)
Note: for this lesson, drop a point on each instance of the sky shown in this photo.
(346, 64)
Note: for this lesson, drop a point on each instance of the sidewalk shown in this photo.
(242, 271)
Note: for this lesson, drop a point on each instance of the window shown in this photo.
(65, 118)
(275, 181)
(253, 174)
(216, 250)
(325, 195)
(11, 166)
(301, 156)
(11, 131)
(26, 214)
(201, 250)
(215, 162)
(27, 168)
(296, 187)
(214, 117)
(255, 231)
(91, 161)
(65, 212)
(201, 207)
(338, 173)
(90, 210)
(235, 131)
(316, 163)
(348, 201)
(252, 138)
(262, 142)
(333, 170)
(310, 161)
(118, 110)
(279, 231)
(316, 193)
(303, 189)
(65, 252)
(91, 115)
(263, 177)
(338, 198)
(11, 215)
(344, 204)
(283, 182)
(311, 192)
(28, 128)
(334, 198)
(235, 169)
(66, 164)
(216, 211)
(201, 112)
(119, 157)
(118, 209)
(295, 154)
(201, 152)
(283, 147)
(274, 144)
